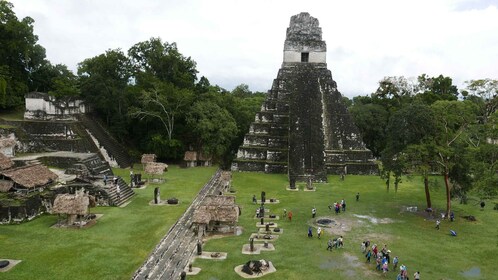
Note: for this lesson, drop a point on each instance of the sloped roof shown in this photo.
(156, 168)
(72, 204)
(217, 200)
(204, 157)
(190, 156)
(5, 185)
(218, 208)
(30, 176)
(5, 162)
(148, 158)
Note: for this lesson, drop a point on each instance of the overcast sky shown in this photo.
(236, 42)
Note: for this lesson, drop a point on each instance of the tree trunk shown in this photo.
(448, 195)
(388, 181)
(427, 193)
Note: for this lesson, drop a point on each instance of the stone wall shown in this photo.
(44, 136)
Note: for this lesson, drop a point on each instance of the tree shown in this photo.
(420, 158)
(65, 85)
(408, 126)
(213, 127)
(104, 82)
(371, 119)
(20, 56)
(395, 91)
(452, 119)
(433, 89)
(163, 102)
(482, 155)
(164, 62)
(487, 91)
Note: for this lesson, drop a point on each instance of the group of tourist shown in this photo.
(288, 215)
(337, 206)
(383, 259)
(335, 243)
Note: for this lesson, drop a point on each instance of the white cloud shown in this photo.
(236, 42)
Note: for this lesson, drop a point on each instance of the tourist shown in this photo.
(105, 179)
(385, 268)
(375, 250)
(319, 232)
(403, 271)
(337, 208)
(395, 263)
(357, 196)
(310, 232)
(329, 245)
(452, 216)
(290, 216)
(313, 212)
(254, 200)
(384, 250)
(118, 192)
(416, 275)
(257, 212)
(368, 255)
(340, 242)
(343, 204)
(438, 222)
(285, 213)
(363, 247)
(367, 244)
(378, 261)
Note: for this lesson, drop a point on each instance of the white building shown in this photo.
(41, 106)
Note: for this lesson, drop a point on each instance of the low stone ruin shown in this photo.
(256, 267)
(172, 200)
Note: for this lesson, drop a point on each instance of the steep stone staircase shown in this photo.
(113, 148)
(125, 192)
(98, 168)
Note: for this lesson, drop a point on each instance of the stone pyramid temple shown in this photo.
(303, 128)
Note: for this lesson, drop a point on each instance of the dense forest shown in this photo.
(151, 99)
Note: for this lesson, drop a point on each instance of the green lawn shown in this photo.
(121, 240)
(13, 115)
(413, 239)
(113, 248)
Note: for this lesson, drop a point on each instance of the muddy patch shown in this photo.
(352, 260)
(336, 226)
(472, 273)
(347, 264)
(374, 220)
(330, 264)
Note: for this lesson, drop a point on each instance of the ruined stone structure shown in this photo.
(42, 106)
(303, 127)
